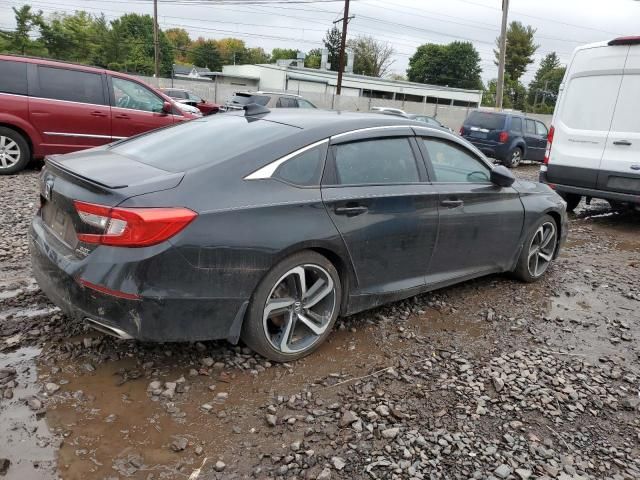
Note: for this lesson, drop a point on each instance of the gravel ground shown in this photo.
(488, 379)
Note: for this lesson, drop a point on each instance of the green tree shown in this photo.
(515, 94)
(256, 55)
(74, 37)
(332, 41)
(283, 54)
(232, 51)
(180, 41)
(456, 65)
(313, 58)
(371, 57)
(27, 24)
(205, 53)
(520, 49)
(546, 82)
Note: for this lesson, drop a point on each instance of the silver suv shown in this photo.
(267, 99)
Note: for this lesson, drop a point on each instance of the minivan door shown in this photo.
(620, 165)
(135, 109)
(69, 108)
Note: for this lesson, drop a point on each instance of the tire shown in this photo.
(15, 153)
(572, 199)
(535, 238)
(513, 159)
(266, 333)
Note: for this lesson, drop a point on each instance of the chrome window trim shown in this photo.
(268, 170)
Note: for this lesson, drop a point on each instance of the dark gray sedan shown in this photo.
(266, 226)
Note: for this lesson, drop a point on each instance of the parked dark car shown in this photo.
(267, 226)
(49, 107)
(507, 137)
(187, 97)
(267, 99)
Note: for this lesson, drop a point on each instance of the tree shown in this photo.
(205, 53)
(283, 54)
(397, 76)
(256, 55)
(19, 40)
(371, 57)
(232, 51)
(180, 40)
(546, 80)
(456, 65)
(74, 37)
(520, 49)
(313, 58)
(332, 41)
(515, 94)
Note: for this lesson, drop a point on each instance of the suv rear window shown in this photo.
(13, 77)
(490, 121)
(201, 142)
(241, 99)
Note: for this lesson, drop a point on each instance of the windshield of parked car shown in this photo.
(201, 142)
(490, 121)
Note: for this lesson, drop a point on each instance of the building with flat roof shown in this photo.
(310, 80)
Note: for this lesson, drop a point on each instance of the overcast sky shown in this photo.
(561, 24)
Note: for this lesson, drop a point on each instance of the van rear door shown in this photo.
(584, 114)
(620, 165)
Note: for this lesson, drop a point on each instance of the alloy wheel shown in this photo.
(516, 156)
(541, 249)
(299, 308)
(9, 152)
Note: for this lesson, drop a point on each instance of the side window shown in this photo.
(453, 164)
(596, 113)
(302, 103)
(193, 97)
(626, 118)
(304, 169)
(541, 129)
(516, 124)
(285, 102)
(13, 77)
(531, 126)
(71, 85)
(380, 161)
(132, 95)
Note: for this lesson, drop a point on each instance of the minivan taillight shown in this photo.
(547, 152)
(462, 130)
(503, 137)
(131, 227)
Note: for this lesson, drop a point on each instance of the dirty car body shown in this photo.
(236, 199)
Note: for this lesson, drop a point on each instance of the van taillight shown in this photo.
(131, 227)
(547, 152)
(503, 137)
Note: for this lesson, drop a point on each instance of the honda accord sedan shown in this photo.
(266, 226)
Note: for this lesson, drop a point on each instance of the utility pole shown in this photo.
(343, 45)
(503, 54)
(156, 49)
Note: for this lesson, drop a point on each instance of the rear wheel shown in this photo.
(572, 199)
(294, 308)
(538, 250)
(513, 158)
(14, 151)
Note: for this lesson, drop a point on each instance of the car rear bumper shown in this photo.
(161, 318)
(632, 198)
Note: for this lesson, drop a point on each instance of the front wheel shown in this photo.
(538, 250)
(513, 158)
(293, 308)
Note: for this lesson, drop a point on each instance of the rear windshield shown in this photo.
(201, 142)
(490, 121)
(246, 99)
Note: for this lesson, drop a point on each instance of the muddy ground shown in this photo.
(488, 379)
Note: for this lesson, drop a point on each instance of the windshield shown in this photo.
(201, 142)
(488, 120)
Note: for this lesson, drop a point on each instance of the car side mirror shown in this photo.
(502, 176)
(167, 107)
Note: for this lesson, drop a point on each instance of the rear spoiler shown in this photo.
(50, 160)
(631, 40)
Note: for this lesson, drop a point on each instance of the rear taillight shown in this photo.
(503, 137)
(132, 227)
(547, 152)
(462, 130)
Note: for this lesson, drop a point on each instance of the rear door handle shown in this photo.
(98, 114)
(351, 211)
(124, 117)
(452, 203)
(625, 143)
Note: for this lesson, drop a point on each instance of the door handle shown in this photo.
(452, 203)
(124, 117)
(98, 114)
(351, 211)
(625, 143)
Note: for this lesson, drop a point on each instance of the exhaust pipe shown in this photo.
(109, 330)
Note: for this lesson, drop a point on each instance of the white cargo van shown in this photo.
(593, 147)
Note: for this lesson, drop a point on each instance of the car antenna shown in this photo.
(252, 109)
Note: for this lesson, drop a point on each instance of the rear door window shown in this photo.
(531, 127)
(13, 77)
(490, 121)
(541, 129)
(376, 162)
(516, 124)
(286, 102)
(71, 85)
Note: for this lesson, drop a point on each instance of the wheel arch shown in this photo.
(22, 132)
(557, 218)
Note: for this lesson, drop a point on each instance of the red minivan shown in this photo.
(49, 107)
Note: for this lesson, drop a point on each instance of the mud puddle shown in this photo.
(25, 439)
